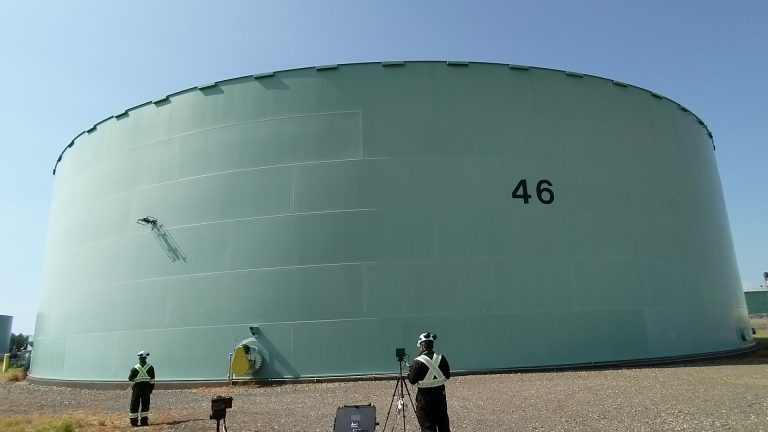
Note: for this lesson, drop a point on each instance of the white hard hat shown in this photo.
(143, 354)
(426, 337)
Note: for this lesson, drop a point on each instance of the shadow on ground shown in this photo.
(758, 356)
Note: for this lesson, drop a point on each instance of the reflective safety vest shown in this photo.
(143, 376)
(434, 376)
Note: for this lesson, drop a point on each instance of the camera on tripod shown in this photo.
(400, 354)
(219, 407)
(399, 394)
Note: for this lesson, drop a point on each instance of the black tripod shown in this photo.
(399, 385)
(217, 424)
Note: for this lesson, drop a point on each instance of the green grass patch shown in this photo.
(64, 425)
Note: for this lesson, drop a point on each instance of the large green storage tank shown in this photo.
(757, 302)
(6, 325)
(530, 217)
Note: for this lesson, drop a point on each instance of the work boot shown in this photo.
(134, 422)
(145, 421)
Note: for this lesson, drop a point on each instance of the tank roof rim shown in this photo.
(330, 67)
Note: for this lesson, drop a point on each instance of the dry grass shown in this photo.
(39, 424)
(13, 375)
(75, 422)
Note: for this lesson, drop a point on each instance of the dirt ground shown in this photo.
(716, 395)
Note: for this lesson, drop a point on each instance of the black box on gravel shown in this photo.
(355, 418)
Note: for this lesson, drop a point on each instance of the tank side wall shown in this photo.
(343, 212)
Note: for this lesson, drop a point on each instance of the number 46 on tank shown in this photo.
(543, 192)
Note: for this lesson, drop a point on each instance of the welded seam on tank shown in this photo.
(205, 130)
(243, 219)
(365, 290)
(255, 269)
(362, 141)
(77, 246)
(246, 324)
(293, 191)
(71, 209)
(276, 215)
(257, 168)
(218, 221)
(477, 314)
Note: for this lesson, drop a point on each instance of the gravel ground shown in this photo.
(718, 395)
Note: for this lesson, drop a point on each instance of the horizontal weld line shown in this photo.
(228, 172)
(233, 271)
(213, 326)
(274, 216)
(265, 167)
(224, 221)
(218, 127)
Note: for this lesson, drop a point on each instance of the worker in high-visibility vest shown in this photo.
(429, 372)
(143, 378)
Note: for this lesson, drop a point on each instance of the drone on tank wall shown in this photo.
(163, 238)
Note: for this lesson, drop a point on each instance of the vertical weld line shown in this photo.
(293, 189)
(365, 290)
(293, 347)
(362, 150)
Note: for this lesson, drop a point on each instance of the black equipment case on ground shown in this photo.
(355, 418)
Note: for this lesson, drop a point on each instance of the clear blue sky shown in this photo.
(67, 65)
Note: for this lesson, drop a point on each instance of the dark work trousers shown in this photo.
(140, 398)
(432, 410)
